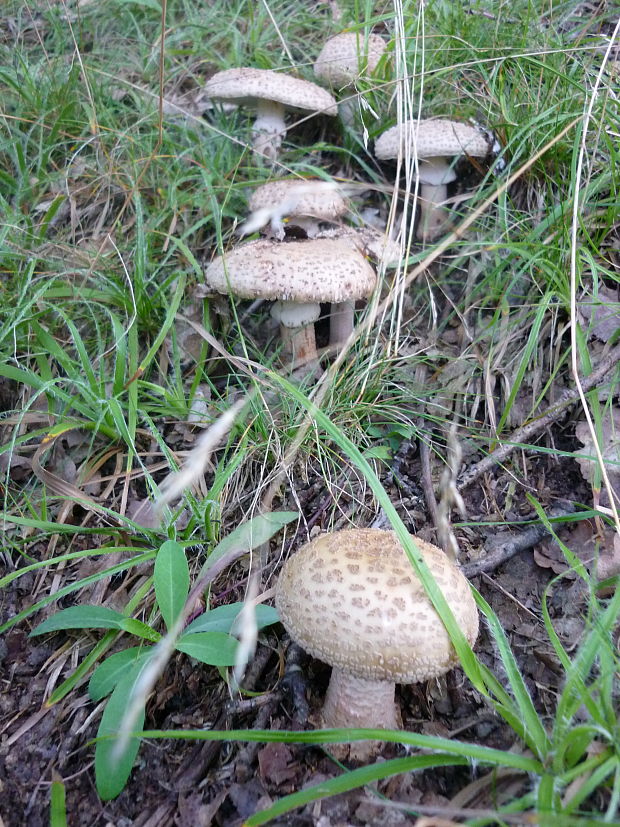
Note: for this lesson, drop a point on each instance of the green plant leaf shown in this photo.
(213, 648)
(58, 807)
(350, 781)
(111, 771)
(107, 675)
(81, 617)
(223, 618)
(140, 629)
(251, 534)
(171, 581)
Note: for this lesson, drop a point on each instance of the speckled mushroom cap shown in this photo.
(317, 270)
(352, 599)
(338, 63)
(313, 198)
(435, 137)
(247, 86)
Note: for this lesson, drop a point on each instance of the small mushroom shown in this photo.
(344, 59)
(271, 94)
(298, 275)
(352, 599)
(434, 142)
(306, 202)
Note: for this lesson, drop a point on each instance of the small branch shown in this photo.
(526, 432)
(427, 481)
(515, 543)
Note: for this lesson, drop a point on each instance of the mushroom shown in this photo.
(344, 59)
(271, 93)
(352, 599)
(369, 241)
(298, 275)
(306, 201)
(433, 141)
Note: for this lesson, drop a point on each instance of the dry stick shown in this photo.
(553, 413)
(514, 544)
(366, 325)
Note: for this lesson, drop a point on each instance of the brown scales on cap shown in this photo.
(352, 600)
(295, 273)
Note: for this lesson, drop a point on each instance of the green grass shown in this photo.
(108, 212)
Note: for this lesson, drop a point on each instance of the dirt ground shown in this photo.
(185, 784)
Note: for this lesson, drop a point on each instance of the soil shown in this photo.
(187, 783)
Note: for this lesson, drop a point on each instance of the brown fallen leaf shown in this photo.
(610, 449)
(276, 764)
(602, 312)
(600, 554)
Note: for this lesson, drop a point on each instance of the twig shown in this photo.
(427, 481)
(526, 432)
(294, 684)
(515, 543)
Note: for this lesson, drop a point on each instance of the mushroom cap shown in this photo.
(314, 198)
(248, 86)
(352, 599)
(431, 138)
(317, 270)
(346, 56)
(369, 241)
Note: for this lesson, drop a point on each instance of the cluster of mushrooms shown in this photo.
(331, 266)
(350, 598)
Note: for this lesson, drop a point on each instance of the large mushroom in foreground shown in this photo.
(352, 599)
(298, 276)
(271, 94)
(434, 142)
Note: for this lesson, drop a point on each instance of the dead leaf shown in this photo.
(19, 468)
(602, 312)
(610, 449)
(275, 764)
(599, 554)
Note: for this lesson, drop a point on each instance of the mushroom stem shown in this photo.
(347, 109)
(434, 174)
(433, 215)
(268, 130)
(297, 330)
(308, 224)
(341, 322)
(353, 702)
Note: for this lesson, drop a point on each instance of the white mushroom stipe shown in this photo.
(341, 322)
(296, 321)
(353, 702)
(352, 599)
(268, 129)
